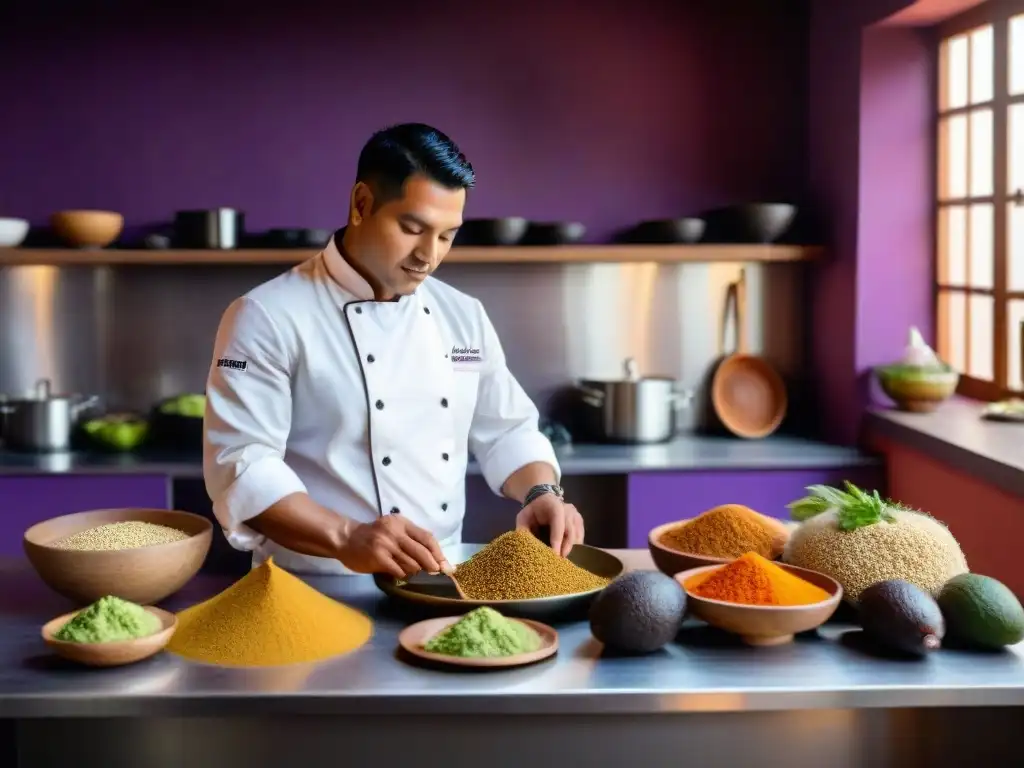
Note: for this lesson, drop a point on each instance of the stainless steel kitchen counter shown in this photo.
(685, 453)
(705, 672)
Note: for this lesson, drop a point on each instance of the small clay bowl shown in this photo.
(113, 654)
(671, 561)
(765, 624)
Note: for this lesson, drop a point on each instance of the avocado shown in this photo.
(981, 612)
(902, 617)
(639, 612)
(118, 431)
(187, 406)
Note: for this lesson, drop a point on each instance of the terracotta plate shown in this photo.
(111, 654)
(413, 638)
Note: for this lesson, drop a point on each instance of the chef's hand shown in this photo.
(391, 544)
(564, 521)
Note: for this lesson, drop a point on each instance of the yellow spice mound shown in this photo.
(519, 566)
(268, 618)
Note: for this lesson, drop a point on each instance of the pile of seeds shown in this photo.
(519, 566)
(128, 535)
(727, 531)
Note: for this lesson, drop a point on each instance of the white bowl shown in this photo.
(12, 232)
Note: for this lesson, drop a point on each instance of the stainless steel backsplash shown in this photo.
(137, 334)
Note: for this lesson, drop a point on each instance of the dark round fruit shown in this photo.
(639, 612)
(901, 616)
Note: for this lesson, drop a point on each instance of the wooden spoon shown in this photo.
(425, 579)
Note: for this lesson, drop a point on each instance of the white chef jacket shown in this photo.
(369, 407)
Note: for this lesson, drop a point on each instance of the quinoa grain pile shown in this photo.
(127, 535)
(913, 547)
(519, 566)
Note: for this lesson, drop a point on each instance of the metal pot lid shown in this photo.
(631, 375)
(42, 392)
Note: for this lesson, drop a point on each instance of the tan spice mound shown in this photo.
(130, 534)
(267, 618)
(729, 530)
(519, 566)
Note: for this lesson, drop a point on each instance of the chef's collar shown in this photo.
(343, 273)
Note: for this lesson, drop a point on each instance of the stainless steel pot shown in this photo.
(634, 409)
(43, 422)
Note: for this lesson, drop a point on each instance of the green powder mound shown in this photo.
(484, 633)
(107, 620)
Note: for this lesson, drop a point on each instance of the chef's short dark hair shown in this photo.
(394, 154)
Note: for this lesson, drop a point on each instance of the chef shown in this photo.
(345, 395)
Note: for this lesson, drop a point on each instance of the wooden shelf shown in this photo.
(566, 254)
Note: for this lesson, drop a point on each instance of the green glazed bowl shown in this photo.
(917, 389)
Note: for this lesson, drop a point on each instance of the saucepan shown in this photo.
(634, 409)
(42, 422)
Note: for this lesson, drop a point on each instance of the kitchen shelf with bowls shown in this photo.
(558, 254)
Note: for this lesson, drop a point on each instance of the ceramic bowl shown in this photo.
(765, 624)
(87, 229)
(114, 654)
(920, 391)
(670, 561)
(12, 232)
(144, 575)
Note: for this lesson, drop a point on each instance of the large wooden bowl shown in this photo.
(765, 624)
(113, 654)
(145, 575)
(671, 561)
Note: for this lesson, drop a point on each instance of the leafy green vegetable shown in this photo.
(854, 508)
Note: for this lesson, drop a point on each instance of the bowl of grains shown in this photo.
(139, 555)
(717, 536)
(516, 574)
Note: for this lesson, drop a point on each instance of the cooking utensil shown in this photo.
(765, 624)
(219, 228)
(143, 575)
(441, 596)
(686, 229)
(113, 654)
(44, 422)
(87, 229)
(554, 233)
(483, 232)
(747, 393)
(435, 580)
(414, 637)
(634, 409)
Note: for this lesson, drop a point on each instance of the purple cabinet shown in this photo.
(29, 499)
(655, 498)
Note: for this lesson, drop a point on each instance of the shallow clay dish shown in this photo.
(113, 654)
(765, 624)
(670, 561)
(414, 637)
(144, 575)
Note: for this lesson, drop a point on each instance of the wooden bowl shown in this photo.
(87, 229)
(145, 575)
(920, 392)
(113, 654)
(765, 624)
(749, 396)
(670, 561)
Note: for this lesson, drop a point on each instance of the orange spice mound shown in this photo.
(725, 531)
(753, 580)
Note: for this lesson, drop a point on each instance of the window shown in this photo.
(980, 198)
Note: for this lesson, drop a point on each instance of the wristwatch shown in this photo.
(539, 490)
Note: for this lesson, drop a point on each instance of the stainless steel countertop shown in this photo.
(685, 453)
(705, 672)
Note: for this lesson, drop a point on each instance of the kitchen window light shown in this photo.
(979, 269)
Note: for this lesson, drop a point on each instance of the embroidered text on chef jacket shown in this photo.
(369, 407)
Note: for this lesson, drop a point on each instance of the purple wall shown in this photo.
(656, 498)
(568, 110)
(25, 501)
(870, 169)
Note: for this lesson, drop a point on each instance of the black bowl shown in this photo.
(554, 233)
(173, 432)
(508, 230)
(750, 222)
(686, 229)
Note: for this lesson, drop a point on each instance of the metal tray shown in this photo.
(439, 596)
